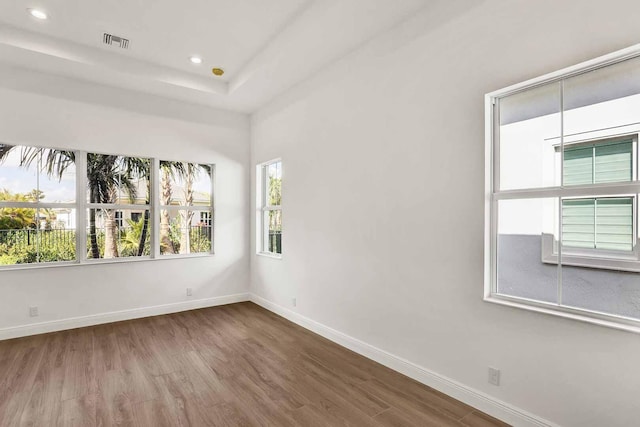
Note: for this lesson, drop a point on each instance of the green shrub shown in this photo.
(45, 246)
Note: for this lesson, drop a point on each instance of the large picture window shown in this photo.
(269, 215)
(562, 193)
(65, 206)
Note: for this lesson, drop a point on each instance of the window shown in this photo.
(206, 218)
(37, 205)
(119, 221)
(185, 196)
(600, 223)
(604, 223)
(269, 215)
(136, 216)
(562, 193)
(50, 214)
(117, 184)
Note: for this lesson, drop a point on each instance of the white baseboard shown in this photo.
(479, 400)
(117, 316)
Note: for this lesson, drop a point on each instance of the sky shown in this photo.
(19, 179)
(201, 185)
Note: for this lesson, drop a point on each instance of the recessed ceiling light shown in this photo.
(217, 71)
(38, 14)
(195, 60)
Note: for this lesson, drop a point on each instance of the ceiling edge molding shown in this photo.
(26, 80)
(78, 54)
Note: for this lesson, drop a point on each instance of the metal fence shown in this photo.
(275, 241)
(24, 239)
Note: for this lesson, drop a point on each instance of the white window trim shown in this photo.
(81, 205)
(492, 177)
(262, 207)
(211, 209)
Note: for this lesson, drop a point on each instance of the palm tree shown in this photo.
(106, 174)
(191, 171)
(141, 168)
(168, 171)
(133, 237)
(188, 173)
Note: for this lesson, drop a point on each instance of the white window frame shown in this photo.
(47, 205)
(262, 231)
(178, 208)
(86, 205)
(493, 195)
(82, 205)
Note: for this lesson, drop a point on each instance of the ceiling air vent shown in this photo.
(111, 40)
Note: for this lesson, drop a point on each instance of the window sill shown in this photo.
(607, 261)
(269, 255)
(21, 267)
(586, 316)
(183, 256)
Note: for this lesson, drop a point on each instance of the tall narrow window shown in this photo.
(37, 205)
(186, 198)
(269, 221)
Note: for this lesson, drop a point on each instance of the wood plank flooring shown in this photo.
(234, 365)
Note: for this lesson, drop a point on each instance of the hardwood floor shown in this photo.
(234, 365)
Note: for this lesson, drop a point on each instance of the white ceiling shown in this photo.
(265, 47)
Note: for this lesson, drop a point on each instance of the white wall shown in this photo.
(83, 116)
(383, 179)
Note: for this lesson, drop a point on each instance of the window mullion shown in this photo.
(117, 206)
(595, 221)
(561, 200)
(154, 212)
(593, 164)
(573, 191)
(81, 203)
(496, 146)
(264, 227)
(212, 209)
(37, 205)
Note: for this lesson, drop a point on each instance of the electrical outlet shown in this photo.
(294, 302)
(494, 376)
(33, 311)
(189, 292)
